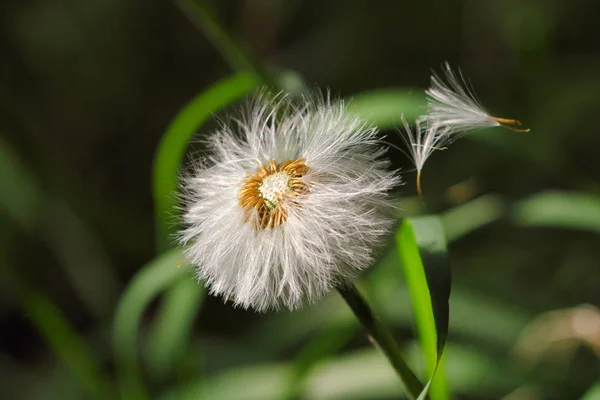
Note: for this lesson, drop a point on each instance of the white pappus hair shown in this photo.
(453, 110)
(453, 104)
(290, 203)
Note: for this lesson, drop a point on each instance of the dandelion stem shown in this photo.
(419, 190)
(381, 337)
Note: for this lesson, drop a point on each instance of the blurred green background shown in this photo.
(87, 89)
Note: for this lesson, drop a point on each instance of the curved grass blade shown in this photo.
(172, 329)
(422, 246)
(49, 218)
(385, 107)
(182, 302)
(472, 215)
(593, 393)
(559, 209)
(67, 344)
(152, 279)
(175, 140)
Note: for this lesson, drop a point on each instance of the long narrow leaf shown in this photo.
(150, 281)
(422, 247)
(385, 107)
(67, 344)
(173, 326)
(175, 141)
(560, 210)
(174, 321)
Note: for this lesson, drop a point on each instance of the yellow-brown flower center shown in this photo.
(265, 190)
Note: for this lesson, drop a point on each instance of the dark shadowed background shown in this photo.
(87, 89)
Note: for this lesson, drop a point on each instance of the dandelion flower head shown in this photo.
(290, 203)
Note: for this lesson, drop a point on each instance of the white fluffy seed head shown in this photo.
(453, 110)
(424, 139)
(290, 203)
(453, 104)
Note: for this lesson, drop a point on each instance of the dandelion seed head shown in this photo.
(290, 202)
(453, 104)
(453, 110)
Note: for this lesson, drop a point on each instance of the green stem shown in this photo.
(203, 17)
(382, 338)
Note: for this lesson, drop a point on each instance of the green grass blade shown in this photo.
(560, 210)
(201, 14)
(422, 246)
(472, 215)
(593, 393)
(150, 281)
(67, 344)
(172, 329)
(384, 107)
(49, 218)
(175, 140)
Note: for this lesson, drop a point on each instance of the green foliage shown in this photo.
(173, 326)
(385, 107)
(171, 149)
(148, 283)
(422, 248)
(70, 348)
(578, 211)
(82, 81)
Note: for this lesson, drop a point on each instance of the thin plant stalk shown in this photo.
(381, 337)
(203, 17)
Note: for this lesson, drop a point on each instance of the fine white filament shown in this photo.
(452, 104)
(453, 110)
(330, 232)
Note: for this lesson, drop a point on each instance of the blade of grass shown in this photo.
(151, 280)
(384, 107)
(472, 215)
(70, 348)
(42, 215)
(174, 143)
(422, 247)
(182, 302)
(559, 209)
(172, 328)
(593, 393)
(203, 17)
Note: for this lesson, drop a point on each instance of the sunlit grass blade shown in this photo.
(70, 348)
(385, 107)
(175, 141)
(150, 281)
(560, 210)
(472, 215)
(593, 393)
(172, 328)
(422, 247)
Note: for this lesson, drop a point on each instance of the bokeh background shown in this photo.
(87, 89)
